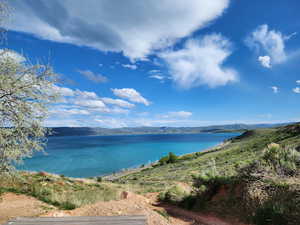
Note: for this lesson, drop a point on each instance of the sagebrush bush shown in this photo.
(173, 195)
(283, 160)
(170, 158)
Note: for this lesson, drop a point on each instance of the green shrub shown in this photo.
(174, 195)
(67, 205)
(170, 158)
(269, 215)
(282, 160)
(164, 160)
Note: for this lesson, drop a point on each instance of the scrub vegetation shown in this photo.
(61, 192)
(255, 177)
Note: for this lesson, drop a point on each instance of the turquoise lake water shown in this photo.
(86, 156)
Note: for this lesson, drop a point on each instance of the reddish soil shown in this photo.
(13, 205)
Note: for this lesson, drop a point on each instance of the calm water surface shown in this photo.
(86, 156)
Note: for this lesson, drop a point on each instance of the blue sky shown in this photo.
(165, 63)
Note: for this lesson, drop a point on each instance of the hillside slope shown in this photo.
(234, 178)
(229, 156)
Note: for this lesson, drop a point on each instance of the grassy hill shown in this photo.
(59, 191)
(249, 177)
(233, 154)
(234, 178)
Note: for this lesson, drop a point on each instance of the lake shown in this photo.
(87, 156)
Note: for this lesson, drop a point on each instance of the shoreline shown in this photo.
(134, 169)
(128, 171)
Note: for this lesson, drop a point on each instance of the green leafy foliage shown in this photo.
(170, 158)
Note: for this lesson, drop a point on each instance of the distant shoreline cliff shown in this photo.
(89, 131)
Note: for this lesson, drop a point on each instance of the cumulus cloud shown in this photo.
(296, 90)
(275, 89)
(118, 102)
(130, 94)
(265, 61)
(78, 102)
(268, 42)
(130, 66)
(97, 78)
(132, 27)
(179, 114)
(85, 94)
(200, 62)
(297, 81)
(90, 103)
(63, 91)
(68, 92)
(67, 112)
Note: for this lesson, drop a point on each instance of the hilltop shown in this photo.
(82, 131)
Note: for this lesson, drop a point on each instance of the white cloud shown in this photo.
(200, 62)
(132, 27)
(158, 77)
(6, 53)
(90, 103)
(265, 61)
(130, 66)
(86, 101)
(86, 94)
(67, 112)
(298, 81)
(130, 94)
(275, 89)
(118, 102)
(63, 122)
(179, 114)
(118, 110)
(288, 37)
(110, 123)
(296, 90)
(268, 42)
(97, 78)
(68, 92)
(154, 71)
(63, 91)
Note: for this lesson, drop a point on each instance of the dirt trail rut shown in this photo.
(13, 205)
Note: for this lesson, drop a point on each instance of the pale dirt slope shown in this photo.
(13, 205)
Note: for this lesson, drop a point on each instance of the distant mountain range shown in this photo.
(88, 131)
